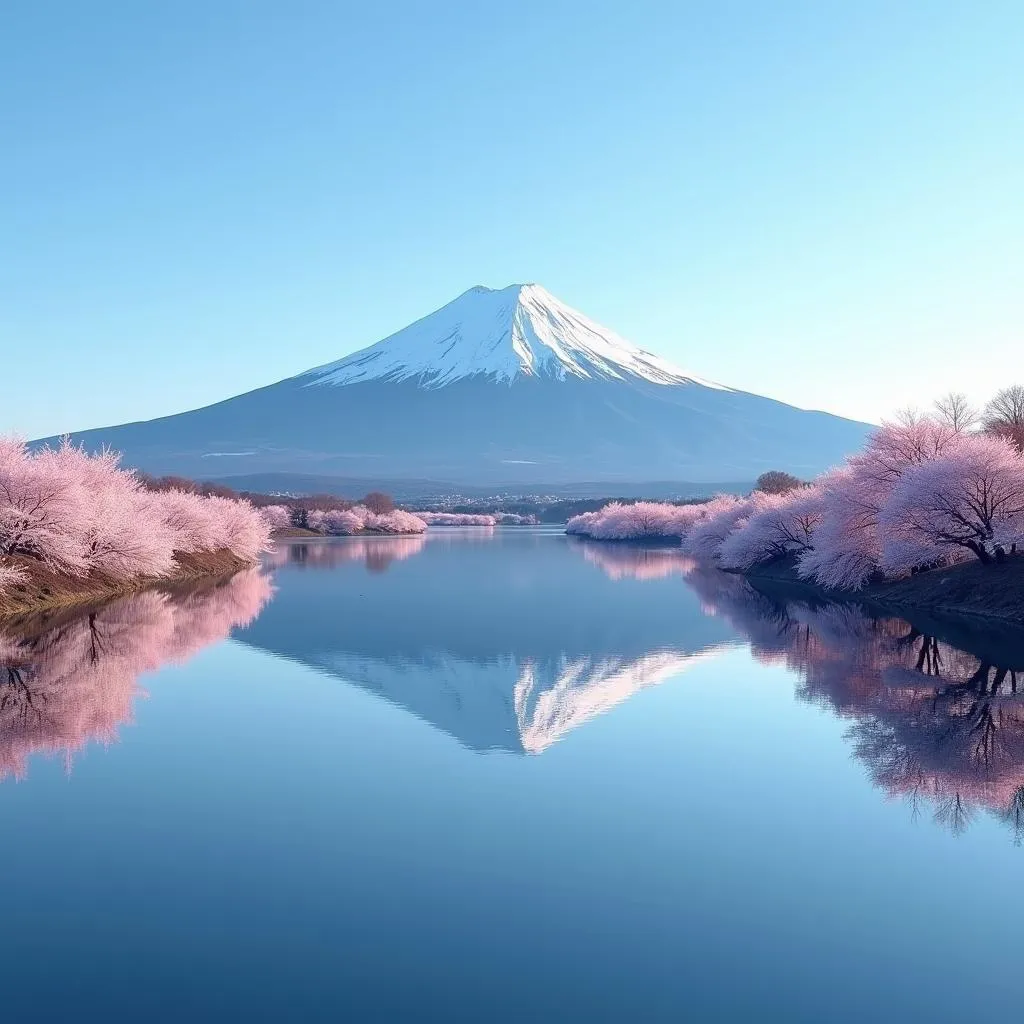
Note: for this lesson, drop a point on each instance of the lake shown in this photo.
(507, 775)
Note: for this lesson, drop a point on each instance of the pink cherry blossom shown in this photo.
(279, 517)
(786, 525)
(969, 501)
(82, 514)
(723, 515)
(455, 519)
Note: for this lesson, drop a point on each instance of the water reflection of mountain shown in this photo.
(933, 721)
(506, 642)
(72, 679)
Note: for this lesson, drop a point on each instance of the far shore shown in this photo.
(46, 590)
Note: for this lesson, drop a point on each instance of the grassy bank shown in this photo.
(44, 589)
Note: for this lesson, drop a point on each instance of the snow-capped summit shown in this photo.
(522, 330)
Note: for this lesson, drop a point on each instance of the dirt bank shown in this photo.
(45, 589)
(993, 591)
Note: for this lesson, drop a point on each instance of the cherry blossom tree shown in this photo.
(969, 500)
(242, 529)
(191, 519)
(641, 520)
(722, 515)
(514, 519)
(395, 521)
(120, 530)
(456, 519)
(582, 525)
(11, 575)
(279, 517)
(785, 525)
(847, 548)
(343, 522)
(80, 513)
(40, 508)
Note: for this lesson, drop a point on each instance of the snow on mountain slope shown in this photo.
(522, 330)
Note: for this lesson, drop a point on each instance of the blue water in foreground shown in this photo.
(506, 776)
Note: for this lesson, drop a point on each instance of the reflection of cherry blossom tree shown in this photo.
(933, 723)
(75, 682)
(376, 552)
(642, 563)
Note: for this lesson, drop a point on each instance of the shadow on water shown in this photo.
(67, 680)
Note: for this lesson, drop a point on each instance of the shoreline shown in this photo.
(992, 593)
(47, 591)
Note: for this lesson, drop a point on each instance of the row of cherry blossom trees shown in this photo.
(926, 491)
(82, 515)
(457, 519)
(477, 519)
(344, 522)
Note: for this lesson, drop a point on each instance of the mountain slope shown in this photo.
(497, 386)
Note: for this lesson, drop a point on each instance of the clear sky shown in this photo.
(818, 201)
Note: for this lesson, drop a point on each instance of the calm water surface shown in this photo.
(507, 776)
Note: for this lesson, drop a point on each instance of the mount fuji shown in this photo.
(497, 387)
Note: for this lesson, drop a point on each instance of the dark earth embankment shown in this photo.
(46, 589)
(994, 591)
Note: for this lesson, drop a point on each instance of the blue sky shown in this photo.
(818, 201)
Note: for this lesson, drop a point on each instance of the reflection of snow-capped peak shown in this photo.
(517, 331)
(507, 703)
(547, 710)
